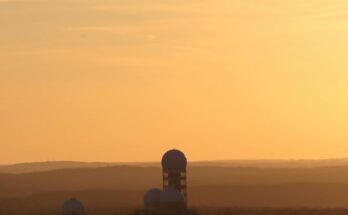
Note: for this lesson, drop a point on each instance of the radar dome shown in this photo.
(152, 198)
(172, 198)
(174, 160)
(73, 207)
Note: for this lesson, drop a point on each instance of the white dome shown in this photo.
(174, 160)
(73, 207)
(172, 197)
(152, 198)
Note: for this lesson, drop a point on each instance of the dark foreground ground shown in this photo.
(204, 211)
(270, 211)
(212, 189)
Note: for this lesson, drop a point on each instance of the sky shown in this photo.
(126, 80)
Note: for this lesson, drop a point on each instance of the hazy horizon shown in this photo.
(157, 162)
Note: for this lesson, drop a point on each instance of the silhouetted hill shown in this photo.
(119, 177)
(56, 165)
(142, 178)
(107, 201)
(304, 195)
(108, 188)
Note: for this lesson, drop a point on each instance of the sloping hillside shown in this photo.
(56, 165)
(141, 178)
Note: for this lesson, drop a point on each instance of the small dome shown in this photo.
(152, 198)
(172, 198)
(73, 207)
(174, 160)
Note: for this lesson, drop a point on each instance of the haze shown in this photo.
(112, 80)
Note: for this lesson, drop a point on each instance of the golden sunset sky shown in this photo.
(125, 80)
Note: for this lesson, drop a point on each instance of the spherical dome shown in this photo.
(73, 207)
(152, 198)
(172, 197)
(174, 160)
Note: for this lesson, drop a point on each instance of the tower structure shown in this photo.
(172, 200)
(174, 165)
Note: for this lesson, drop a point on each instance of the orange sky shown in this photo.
(105, 80)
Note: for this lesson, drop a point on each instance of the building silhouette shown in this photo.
(174, 165)
(172, 199)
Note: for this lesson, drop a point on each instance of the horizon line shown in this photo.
(191, 161)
